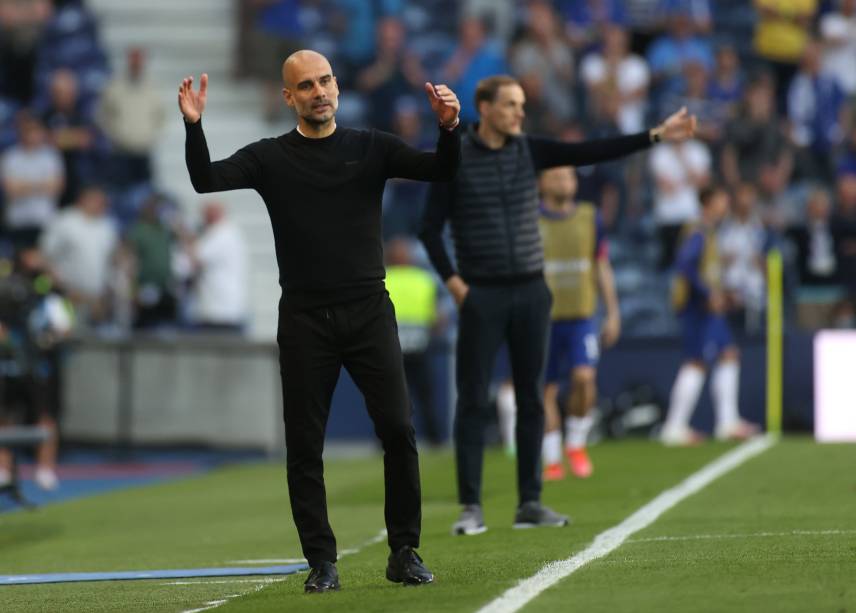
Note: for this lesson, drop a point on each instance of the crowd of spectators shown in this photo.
(771, 82)
(87, 243)
(76, 142)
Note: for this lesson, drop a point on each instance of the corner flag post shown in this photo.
(774, 342)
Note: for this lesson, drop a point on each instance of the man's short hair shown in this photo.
(487, 88)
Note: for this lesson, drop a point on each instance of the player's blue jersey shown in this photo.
(697, 271)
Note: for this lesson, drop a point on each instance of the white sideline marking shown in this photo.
(608, 541)
(345, 552)
(263, 583)
(704, 537)
(211, 605)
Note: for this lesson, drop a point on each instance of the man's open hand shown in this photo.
(444, 103)
(192, 103)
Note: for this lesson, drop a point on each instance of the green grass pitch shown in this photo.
(776, 534)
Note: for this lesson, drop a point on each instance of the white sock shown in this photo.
(685, 393)
(551, 448)
(577, 430)
(724, 386)
(506, 408)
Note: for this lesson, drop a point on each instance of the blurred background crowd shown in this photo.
(772, 83)
(93, 243)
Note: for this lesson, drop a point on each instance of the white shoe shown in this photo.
(738, 431)
(680, 437)
(46, 479)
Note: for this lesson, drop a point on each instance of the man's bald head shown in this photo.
(301, 61)
(310, 88)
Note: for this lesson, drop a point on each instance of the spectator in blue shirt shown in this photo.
(71, 132)
(585, 18)
(354, 23)
(278, 34)
(848, 154)
(474, 59)
(726, 84)
(816, 112)
(670, 53)
(394, 73)
(698, 11)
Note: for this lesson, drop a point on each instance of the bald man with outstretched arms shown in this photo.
(322, 186)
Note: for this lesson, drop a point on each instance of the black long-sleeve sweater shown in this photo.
(324, 200)
(492, 204)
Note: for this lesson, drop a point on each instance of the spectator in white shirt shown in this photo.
(219, 261)
(815, 242)
(679, 170)
(615, 73)
(742, 244)
(33, 178)
(79, 244)
(838, 30)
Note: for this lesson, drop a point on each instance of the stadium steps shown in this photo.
(190, 37)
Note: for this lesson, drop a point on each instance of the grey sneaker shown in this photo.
(470, 522)
(533, 514)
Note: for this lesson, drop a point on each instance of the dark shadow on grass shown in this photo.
(20, 535)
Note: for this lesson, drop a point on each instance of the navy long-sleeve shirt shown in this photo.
(324, 200)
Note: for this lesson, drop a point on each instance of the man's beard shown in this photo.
(317, 122)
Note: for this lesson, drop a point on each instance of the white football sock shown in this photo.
(551, 448)
(724, 387)
(685, 393)
(577, 430)
(506, 408)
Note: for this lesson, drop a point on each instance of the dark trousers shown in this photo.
(417, 368)
(520, 315)
(670, 236)
(314, 344)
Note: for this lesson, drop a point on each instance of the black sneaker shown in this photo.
(322, 578)
(405, 566)
(533, 514)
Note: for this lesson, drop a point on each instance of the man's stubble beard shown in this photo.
(320, 123)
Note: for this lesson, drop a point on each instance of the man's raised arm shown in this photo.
(408, 163)
(240, 171)
(549, 153)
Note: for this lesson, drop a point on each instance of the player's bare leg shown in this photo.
(551, 448)
(579, 421)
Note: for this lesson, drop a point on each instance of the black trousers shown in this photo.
(520, 315)
(314, 345)
(417, 368)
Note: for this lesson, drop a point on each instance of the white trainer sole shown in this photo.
(469, 531)
(526, 526)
